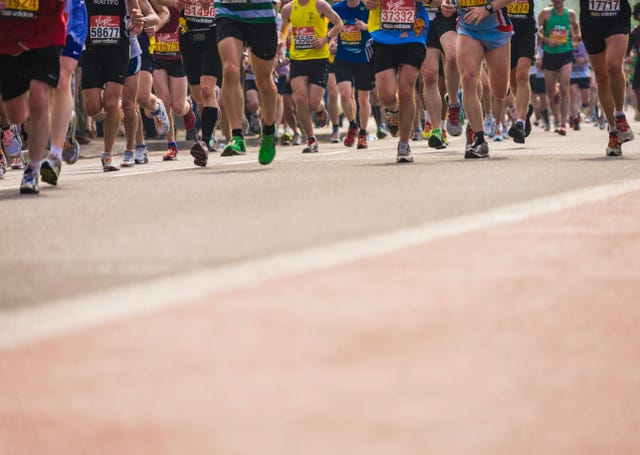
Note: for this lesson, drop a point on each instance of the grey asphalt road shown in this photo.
(98, 231)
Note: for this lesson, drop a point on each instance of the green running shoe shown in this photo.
(267, 148)
(236, 146)
(436, 140)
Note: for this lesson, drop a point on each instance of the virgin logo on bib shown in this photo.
(397, 14)
(104, 30)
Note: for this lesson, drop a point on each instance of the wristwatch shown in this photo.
(489, 7)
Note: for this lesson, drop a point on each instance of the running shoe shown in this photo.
(562, 130)
(29, 184)
(417, 134)
(3, 165)
(140, 155)
(322, 118)
(254, 124)
(70, 151)
(453, 121)
(286, 138)
(11, 141)
(392, 122)
(189, 119)
(335, 138)
(128, 159)
(200, 153)
(489, 126)
(517, 132)
(297, 139)
(576, 124)
(267, 151)
(381, 132)
(445, 138)
(477, 150)
(50, 170)
(624, 131)
(108, 165)
(428, 127)
(235, 146)
(497, 135)
(404, 153)
(362, 142)
(171, 155)
(614, 148)
(527, 121)
(161, 119)
(18, 162)
(312, 146)
(350, 138)
(436, 140)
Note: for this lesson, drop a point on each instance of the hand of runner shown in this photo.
(318, 43)
(137, 21)
(476, 15)
(371, 4)
(447, 9)
(151, 30)
(361, 25)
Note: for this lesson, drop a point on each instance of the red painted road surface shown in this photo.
(522, 338)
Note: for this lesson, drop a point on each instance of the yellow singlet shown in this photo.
(307, 24)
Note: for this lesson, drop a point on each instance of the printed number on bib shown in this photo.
(471, 3)
(350, 35)
(397, 14)
(21, 9)
(104, 29)
(604, 7)
(303, 38)
(560, 36)
(195, 13)
(167, 43)
(518, 7)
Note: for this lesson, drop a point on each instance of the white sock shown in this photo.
(35, 166)
(520, 120)
(443, 125)
(618, 113)
(55, 152)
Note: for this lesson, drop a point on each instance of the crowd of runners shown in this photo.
(489, 69)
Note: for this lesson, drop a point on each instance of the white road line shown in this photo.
(53, 318)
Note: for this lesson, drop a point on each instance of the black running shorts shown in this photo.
(261, 38)
(17, 72)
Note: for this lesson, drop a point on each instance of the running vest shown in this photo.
(307, 24)
(352, 41)
(399, 22)
(167, 41)
(558, 29)
(252, 11)
(31, 25)
(605, 9)
(197, 24)
(107, 27)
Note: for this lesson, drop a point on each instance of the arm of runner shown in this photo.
(476, 14)
(325, 9)
(285, 24)
(151, 18)
(542, 20)
(576, 36)
(136, 17)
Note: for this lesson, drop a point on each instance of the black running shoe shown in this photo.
(517, 132)
(200, 154)
(477, 150)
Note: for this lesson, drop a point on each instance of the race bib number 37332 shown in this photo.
(397, 14)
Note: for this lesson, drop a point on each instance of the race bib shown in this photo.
(194, 12)
(560, 35)
(518, 8)
(604, 7)
(21, 9)
(397, 14)
(104, 30)
(167, 43)
(471, 3)
(351, 35)
(303, 38)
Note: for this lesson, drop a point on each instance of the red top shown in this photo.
(32, 24)
(167, 38)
